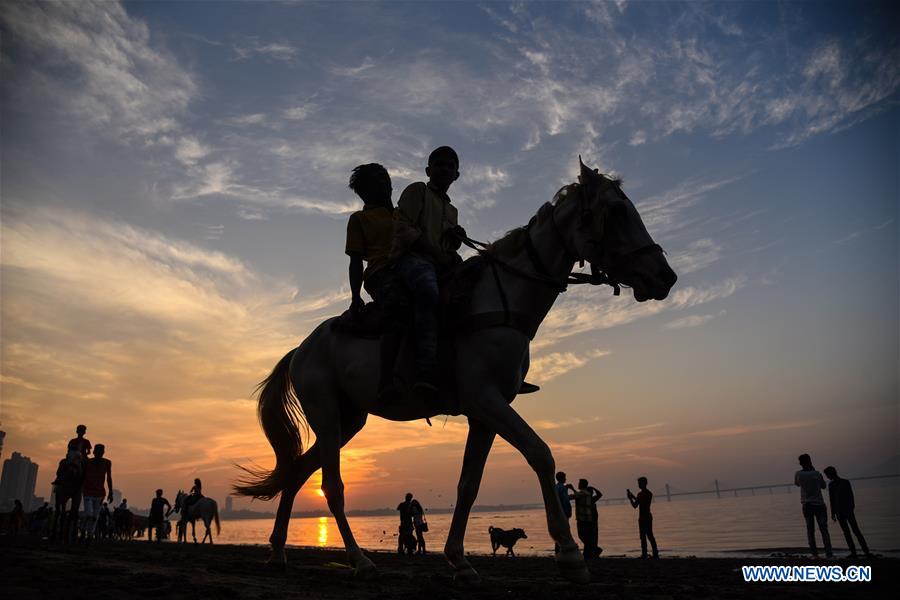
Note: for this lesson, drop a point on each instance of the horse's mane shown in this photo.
(514, 239)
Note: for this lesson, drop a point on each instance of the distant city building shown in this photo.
(228, 506)
(117, 497)
(17, 481)
(2, 435)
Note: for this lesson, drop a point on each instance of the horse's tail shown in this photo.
(281, 417)
(216, 517)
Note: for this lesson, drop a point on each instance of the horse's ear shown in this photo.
(586, 174)
(583, 171)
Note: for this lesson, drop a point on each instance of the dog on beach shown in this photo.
(501, 537)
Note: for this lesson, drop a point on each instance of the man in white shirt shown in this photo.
(811, 484)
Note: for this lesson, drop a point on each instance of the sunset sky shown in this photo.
(174, 205)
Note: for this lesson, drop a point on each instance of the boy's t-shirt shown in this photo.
(370, 235)
(811, 485)
(424, 212)
(563, 492)
(584, 506)
(95, 477)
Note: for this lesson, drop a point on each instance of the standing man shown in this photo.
(97, 471)
(645, 518)
(840, 496)
(562, 491)
(406, 541)
(586, 498)
(157, 516)
(811, 484)
(426, 238)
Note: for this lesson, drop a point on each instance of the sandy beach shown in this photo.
(34, 569)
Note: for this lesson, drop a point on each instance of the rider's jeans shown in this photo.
(420, 277)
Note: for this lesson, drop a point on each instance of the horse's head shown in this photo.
(610, 234)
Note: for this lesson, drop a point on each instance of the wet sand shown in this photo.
(34, 569)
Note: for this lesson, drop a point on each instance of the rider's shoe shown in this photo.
(528, 388)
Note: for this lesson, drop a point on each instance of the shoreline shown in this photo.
(124, 569)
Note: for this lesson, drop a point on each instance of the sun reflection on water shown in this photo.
(323, 531)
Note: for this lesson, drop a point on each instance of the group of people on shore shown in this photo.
(587, 516)
(843, 506)
(412, 520)
(94, 476)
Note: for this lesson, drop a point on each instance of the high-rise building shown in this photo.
(228, 500)
(117, 497)
(17, 481)
(2, 435)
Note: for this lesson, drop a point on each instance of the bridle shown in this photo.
(542, 274)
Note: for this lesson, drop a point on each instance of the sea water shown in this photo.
(702, 526)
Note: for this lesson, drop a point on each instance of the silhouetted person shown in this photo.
(17, 517)
(97, 472)
(39, 518)
(426, 238)
(420, 525)
(562, 491)
(103, 521)
(157, 516)
(406, 541)
(370, 235)
(80, 444)
(586, 498)
(645, 518)
(195, 494)
(840, 496)
(811, 484)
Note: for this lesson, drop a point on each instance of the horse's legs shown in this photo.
(478, 445)
(208, 532)
(324, 416)
(492, 409)
(194, 530)
(307, 464)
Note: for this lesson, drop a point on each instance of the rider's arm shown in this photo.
(356, 280)
(355, 248)
(109, 480)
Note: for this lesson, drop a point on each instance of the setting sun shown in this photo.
(320, 493)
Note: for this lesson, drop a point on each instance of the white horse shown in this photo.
(204, 508)
(329, 382)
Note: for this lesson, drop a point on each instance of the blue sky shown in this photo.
(174, 202)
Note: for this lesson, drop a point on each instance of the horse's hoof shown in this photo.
(365, 568)
(573, 569)
(574, 572)
(467, 577)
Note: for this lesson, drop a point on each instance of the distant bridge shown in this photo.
(718, 490)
